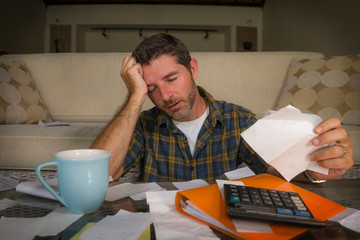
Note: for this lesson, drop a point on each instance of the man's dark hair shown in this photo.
(162, 44)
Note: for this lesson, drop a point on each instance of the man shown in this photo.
(189, 135)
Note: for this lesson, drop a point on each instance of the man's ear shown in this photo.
(194, 68)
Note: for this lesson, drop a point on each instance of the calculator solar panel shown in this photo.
(266, 204)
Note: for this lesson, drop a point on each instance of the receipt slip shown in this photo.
(283, 140)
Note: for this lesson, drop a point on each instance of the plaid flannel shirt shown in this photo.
(163, 152)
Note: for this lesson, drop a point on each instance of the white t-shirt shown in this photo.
(192, 128)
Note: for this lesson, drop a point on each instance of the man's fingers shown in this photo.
(125, 60)
(128, 66)
(338, 135)
(327, 125)
(343, 164)
(334, 157)
(338, 157)
(336, 151)
(132, 75)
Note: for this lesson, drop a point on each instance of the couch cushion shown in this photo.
(20, 101)
(328, 87)
(24, 146)
(354, 132)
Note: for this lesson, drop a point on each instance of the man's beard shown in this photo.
(189, 104)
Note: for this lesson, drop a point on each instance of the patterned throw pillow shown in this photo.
(20, 101)
(328, 87)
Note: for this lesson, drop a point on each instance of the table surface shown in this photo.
(345, 192)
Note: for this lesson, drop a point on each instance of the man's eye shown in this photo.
(171, 79)
(151, 89)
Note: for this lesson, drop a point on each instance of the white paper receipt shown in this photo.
(283, 140)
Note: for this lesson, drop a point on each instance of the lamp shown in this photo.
(206, 34)
(104, 33)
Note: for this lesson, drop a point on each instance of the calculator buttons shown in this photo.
(268, 204)
(284, 211)
(234, 199)
(302, 213)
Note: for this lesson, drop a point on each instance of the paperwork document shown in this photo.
(350, 218)
(8, 182)
(135, 191)
(283, 140)
(171, 224)
(239, 173)
(28, 228)
(124, 225)
(35, 188)
(57, 221)
(190, 184)
(6, 203)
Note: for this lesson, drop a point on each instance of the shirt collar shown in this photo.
(214, 114)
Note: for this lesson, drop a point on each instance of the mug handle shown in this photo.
(42, 181)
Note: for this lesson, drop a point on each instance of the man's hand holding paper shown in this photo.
(288, 140)
(337, 158)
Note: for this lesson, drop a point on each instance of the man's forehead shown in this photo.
(161, 66)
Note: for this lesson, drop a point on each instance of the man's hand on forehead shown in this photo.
(132, 75)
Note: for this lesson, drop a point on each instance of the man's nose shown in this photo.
(164, 93)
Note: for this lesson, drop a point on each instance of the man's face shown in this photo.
(171, 86)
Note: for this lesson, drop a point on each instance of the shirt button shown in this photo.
(183, 138)
(192, 168)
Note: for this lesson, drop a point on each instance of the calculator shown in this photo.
(267, 204)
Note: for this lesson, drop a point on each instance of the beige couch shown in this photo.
(85, 90)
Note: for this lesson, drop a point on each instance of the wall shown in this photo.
(82, 17)
(125, 40)
(327, 26)
(22, 26)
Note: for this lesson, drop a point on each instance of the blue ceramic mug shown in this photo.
(83, 178)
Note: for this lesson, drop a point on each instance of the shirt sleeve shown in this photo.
(136, 148)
